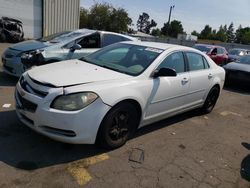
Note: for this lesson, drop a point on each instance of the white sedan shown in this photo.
(107, 95)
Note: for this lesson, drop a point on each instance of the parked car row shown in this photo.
(220, 55)
(112, 91)
(236, 61)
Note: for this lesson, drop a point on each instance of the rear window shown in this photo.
(195, 61)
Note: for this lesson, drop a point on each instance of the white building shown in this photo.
(42, 17)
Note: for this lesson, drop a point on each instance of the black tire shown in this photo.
(118, 125)
(211, 100)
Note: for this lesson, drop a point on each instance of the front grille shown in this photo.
(8, 68)
(61, 132)
(25, 104)
(28, 88)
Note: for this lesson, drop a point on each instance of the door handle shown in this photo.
(184, 80)
(210, 76)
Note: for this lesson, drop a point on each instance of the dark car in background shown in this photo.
(217, 53)
(234, 54)
(238, 71)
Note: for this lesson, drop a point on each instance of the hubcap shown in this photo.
(119, 128)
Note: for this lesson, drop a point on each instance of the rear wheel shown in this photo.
(118, 125)
(211, 100)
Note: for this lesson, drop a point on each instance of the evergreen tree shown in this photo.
(230, 33)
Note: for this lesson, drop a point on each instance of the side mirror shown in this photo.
(164, 72)
(213, 53)
(75, 47)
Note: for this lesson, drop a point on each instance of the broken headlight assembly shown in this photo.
(30, 54)
(74, 102)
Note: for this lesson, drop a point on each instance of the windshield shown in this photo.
(125, 58)
(245, 59)
(203, 48)
(235, 52)
(59, 37)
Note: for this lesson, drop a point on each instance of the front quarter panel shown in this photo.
(112, 93)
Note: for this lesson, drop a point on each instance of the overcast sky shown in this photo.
(194, 14)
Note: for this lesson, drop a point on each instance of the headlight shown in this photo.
(30, 54)
(74, 101)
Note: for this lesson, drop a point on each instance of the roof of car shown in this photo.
(90, 31)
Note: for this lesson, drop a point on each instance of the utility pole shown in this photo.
(170, 12)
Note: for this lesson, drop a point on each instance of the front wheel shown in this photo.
(118, 125)
(211, 100)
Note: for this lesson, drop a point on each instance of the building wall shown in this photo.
(60, 15)
(27, 11)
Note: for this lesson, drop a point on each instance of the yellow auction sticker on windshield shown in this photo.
(154, 50)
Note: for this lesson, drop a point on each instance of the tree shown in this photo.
(195, 33)
(83, 18)
(242, 35)
(105, 17)
(221, 34)
(152, 24)
(156, 32)
(206, 32)
(246, 38)
(173, 29)
(143, 23)
(100, 16)
(230, 33)
(120, 20)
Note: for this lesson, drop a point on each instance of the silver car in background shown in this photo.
(57, 47)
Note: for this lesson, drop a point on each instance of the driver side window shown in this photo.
(91, 41)
(174, 61)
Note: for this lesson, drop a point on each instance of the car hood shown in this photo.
(238, 66)
(73, 72)
(29, 45)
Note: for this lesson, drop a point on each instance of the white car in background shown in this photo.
(107, 95)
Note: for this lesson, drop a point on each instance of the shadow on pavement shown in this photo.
(7, 80)
(24, 149)
(238, 87)
(245, 164)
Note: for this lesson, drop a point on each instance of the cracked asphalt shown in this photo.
(188, 150)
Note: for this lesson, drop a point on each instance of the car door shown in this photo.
(200, 78)
(169, 93)
(89, 44)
